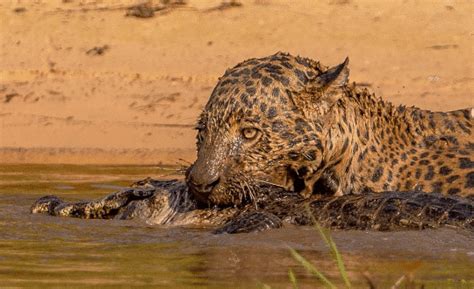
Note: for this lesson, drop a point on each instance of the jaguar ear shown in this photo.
(323, 91)
(334, 78)
(328, 85)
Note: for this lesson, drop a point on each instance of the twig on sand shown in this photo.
(399, 282)
(142, 10)
(225, 5)
(148, 9)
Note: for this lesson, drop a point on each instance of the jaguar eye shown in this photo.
(250, 133)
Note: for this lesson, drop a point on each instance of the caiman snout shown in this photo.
(202, 182)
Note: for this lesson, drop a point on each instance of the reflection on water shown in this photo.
(38, 250)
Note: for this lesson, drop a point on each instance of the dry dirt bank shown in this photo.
(82, 83)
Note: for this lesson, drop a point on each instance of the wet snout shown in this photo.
(202, 180)
(206, 177)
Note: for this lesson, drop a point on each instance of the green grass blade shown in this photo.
(292, 277)
(335, 252)
(310, 268)
(323, 232)
(340, 263)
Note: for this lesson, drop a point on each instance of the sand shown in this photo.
(82, 83)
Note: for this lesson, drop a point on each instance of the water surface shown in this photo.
(44, 251)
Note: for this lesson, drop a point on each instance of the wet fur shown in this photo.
(322, 135)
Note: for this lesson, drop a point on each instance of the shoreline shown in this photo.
(96, 156)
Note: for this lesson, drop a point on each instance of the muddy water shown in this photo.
(43, 251)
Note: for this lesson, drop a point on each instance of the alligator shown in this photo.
(170, 203)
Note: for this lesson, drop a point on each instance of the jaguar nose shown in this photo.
(203, 188)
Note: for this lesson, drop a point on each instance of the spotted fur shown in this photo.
(293, 122)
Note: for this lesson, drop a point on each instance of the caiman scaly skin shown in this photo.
(169, 203)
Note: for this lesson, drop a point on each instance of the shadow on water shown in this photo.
(38, 250)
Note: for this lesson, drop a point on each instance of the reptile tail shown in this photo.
(394, 210)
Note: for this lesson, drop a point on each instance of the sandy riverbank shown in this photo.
(82, 83)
